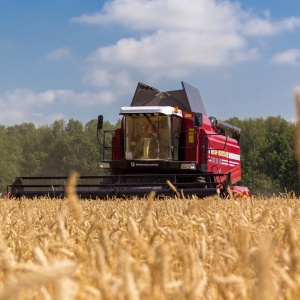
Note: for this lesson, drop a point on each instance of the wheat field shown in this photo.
(150, 249)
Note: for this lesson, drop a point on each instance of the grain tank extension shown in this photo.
(165, 137)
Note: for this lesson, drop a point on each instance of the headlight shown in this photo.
(188, 166)
(104, 165)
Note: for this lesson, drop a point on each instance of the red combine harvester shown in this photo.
(166, 144)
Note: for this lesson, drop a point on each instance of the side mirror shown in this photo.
(198, 119)
(100, 122)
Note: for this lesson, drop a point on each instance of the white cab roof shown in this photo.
(164, 110)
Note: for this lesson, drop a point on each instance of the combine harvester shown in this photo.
(166, 143)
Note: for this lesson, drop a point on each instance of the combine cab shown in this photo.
(166, 143)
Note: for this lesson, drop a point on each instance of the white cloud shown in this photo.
(24, 105)
(59, 54)
(176, 37)
(120, 82)
(290, 57)
(26, 97)
(98, 77)
(167, 51)
(205, 15)
(202, 16)
(265, 27)
(88, 99)
(267, 13)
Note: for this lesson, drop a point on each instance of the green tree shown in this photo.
(10, 157)
(268, 161)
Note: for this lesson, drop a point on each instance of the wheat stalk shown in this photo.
(38, 277)
(72, 198)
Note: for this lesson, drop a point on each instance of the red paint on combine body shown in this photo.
(240, 192)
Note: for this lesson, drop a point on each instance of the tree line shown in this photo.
(269, 164)
(267, 152)
(49, 150)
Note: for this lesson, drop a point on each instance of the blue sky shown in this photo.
(63, 59)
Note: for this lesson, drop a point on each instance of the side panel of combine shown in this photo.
(234, 161)
(117, 149)
(202, 152)
(189, 134)
(224, 156)
(190, 144)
